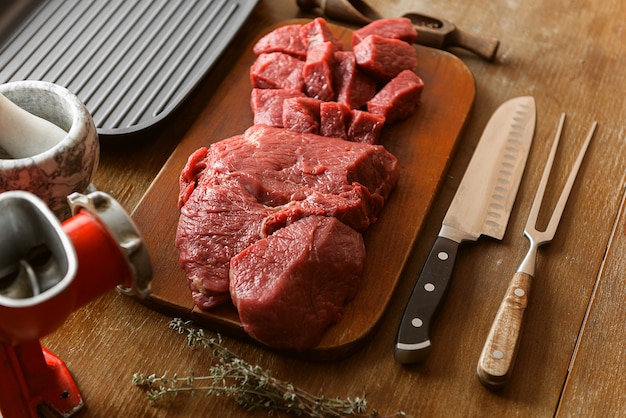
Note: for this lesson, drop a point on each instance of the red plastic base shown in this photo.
(32, 376)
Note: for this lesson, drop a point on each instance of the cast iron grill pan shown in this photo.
(132, 62)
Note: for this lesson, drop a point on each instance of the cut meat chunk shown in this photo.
(317, 32)
(399, 98)
(291, 286)
(293, 165)
(355, 207)
(249, 186)
(246, 187)
(267, 105)
(354, 88)
(393, 28)
(277, 71)
(385, 58)
(284, 39)
(216, 222)
(365, 127)
(302, 114)
(334, 119)
(318, 71)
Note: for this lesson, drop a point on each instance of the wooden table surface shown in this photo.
(571, 57)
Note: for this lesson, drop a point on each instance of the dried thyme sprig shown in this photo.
(252, 387)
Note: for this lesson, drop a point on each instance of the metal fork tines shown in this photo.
(498, 354)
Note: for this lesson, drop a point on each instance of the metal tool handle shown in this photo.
(413, 341)
(498, 356)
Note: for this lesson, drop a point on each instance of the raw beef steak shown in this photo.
(216, 223)
(291, 286)
(248, 186)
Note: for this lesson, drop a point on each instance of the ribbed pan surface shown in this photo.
(132, 62)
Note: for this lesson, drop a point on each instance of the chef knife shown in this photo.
(481, 206)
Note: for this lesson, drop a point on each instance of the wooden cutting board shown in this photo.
(423, 145)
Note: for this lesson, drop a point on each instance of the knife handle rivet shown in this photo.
(442, 255)
(519, 292)
(497, 354)
(416, 322)
(429, 287)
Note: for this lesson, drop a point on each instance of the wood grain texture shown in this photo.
(570, 56)
(497, 359)
(595, 386)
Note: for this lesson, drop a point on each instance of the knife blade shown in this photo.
(481, 206)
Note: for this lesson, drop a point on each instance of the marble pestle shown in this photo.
(23, 134)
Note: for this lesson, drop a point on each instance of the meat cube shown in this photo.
(302, 114)
(318, 71)
(385, 58)
(365, 127)
(285, 39)
(399, 98)
(267, 105)
(334, 120)
(317, 32)
(354, 87)
(393, 28)
(291, 286)
(276, 70)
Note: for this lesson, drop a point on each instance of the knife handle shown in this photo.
(413, 341)
(498, 356)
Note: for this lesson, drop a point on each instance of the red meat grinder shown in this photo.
(47, 271)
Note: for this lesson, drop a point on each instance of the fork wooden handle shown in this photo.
(498, 356)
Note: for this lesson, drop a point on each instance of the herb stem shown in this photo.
(252, 387)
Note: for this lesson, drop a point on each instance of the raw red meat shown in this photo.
(382, 50)
(267, 105)
(318, 71)
(385, 58)
(334, 120)
(393, 28)
(282, 167)
(284, 39)
(399, 98)
(217, 221)
(302, 114)
(354, 88)
(272, 217)
(277, 71)
(365, 127)
(316, 32)
(249, 186)
(291, 286)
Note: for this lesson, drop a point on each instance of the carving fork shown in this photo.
(498, 355)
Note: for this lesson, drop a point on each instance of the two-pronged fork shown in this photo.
(498, 355)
